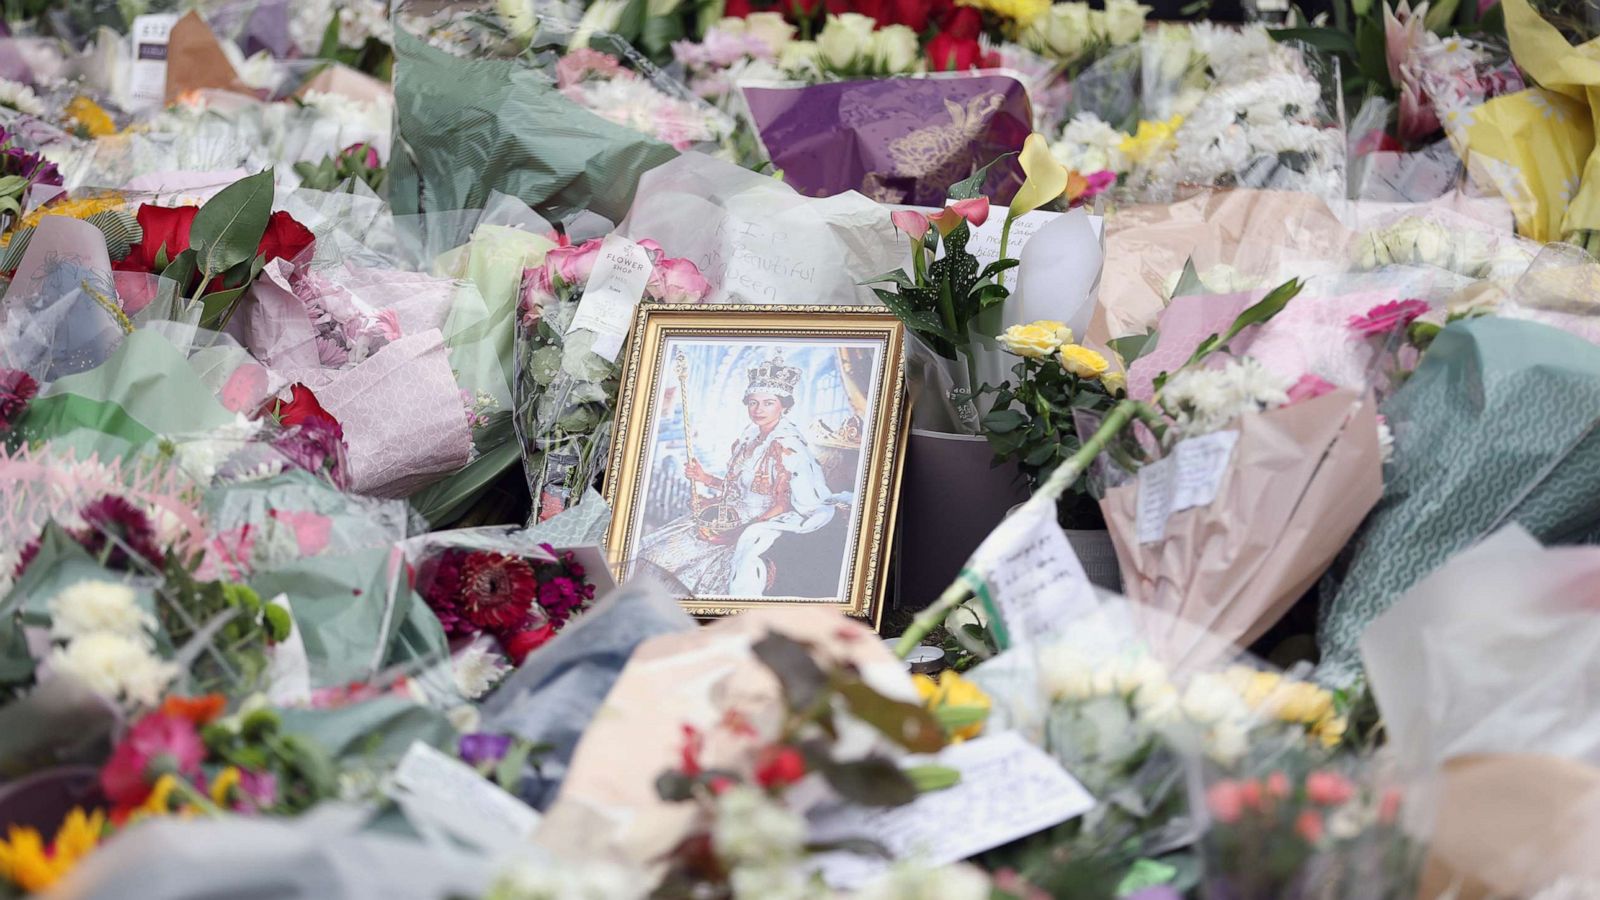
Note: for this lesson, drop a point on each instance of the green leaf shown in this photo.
(971, 187)
(1001, 421)
(182, 269)
(1270, 305)
(1331, 40)
(674, 787)
(873, 781)
(802, 679)
(630, 25)
(955, 718)
(1440, 15)
(991, 295)
(996, 267)
(214, 306)
(1040, 455)
(898, 276)
(228, 228)
(933, 778)
(907, 724)
(1188, 282)
(1133, 346)
(1370, 54)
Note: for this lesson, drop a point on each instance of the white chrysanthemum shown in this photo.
(1385, 440)
(360, 20)
(477, 669)
(308, 22)
(754, 829)
(20, 97)
(1201, 401)
(909, 881)
(1088, 144)
(89, 607)
(115, 666)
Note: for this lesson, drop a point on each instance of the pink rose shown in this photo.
(677, 281)
(1225, 801)
(1328, 788)
(1386, 318)
(1309, 387)
(573, 265)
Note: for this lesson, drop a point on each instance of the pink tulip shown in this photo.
(1225, 801)
(1309, 826)
(913, 223)
(1278, 785)
(1328, 788)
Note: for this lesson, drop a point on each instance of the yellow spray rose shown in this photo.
(1023, 12)
(1034, 341)
(1083, 362)
(1114, 382)
(1151, 138)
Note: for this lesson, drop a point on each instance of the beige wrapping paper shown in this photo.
(1254, 231)
(1299, 482)
(195, 61)
(1511, 824)
(347, 82)
(608, 807)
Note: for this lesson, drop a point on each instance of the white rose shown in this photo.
(1066, 674)
(799, 55)
(1062, 32)
(98, 606)
(1125, 20)
(1228, 744)
(845, 39)
(768, 27)
(895, 49)
(956, 882)
(1210, 699)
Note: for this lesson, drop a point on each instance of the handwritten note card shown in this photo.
(765, 260)
(1009, 789)
(1187, 477)
(1028, 576)
(985, 241)
(452, 796)
(615, 287)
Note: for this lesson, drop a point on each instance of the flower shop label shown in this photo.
(1009, 789)
(446, 793)
(1187, 477)
(147, 74)
(615, 287)
(1028, 578)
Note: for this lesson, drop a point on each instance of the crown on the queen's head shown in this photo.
(774, 376)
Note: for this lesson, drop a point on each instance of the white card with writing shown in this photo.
(147, 74)
(1028, 576)
(767, 261)
(1188, 477)
(985, 241)
(615, 287)
(452, 796)
(1009, 789)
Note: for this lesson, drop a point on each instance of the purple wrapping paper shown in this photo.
(896, 140)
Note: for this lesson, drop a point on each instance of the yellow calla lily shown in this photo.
(1046, 177)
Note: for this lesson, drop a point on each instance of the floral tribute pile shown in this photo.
(1256, 365)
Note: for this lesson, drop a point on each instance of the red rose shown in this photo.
(948, 53)
(164, 227)
(301, 408)
(965, 23)
(779, 765)
(284, 238)
(875, 9)
(519, 645)
(737, 9)
(915, 14)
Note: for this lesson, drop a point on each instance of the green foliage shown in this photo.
(1032, 420)
(228, 228)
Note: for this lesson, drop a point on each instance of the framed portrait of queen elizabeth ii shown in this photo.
(757, 454)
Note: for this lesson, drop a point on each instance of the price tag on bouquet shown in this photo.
(147, 72)
(615, 287)
(1028, 578)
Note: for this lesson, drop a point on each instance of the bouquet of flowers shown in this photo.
(566, 381)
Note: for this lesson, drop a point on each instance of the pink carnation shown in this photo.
(1386, 318)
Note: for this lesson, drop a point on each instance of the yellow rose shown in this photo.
(1114, 382)
(1083, 362)
(1063, 333)
(1032, 341)
(955, 694)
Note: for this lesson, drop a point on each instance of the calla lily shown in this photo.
(913, 223)
(1046, 177)
(975, 211)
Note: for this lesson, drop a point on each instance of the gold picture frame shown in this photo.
(746, 520)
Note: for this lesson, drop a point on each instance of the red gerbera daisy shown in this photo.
(496, 590)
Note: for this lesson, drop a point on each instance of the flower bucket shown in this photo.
(42, 800)
(951, 497)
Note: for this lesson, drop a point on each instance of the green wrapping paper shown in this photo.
(1497, 425)
(468, 127)
(339, 605)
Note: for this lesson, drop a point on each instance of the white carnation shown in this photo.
(89, 607)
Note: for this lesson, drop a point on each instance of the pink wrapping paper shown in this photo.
(1187, 321)
(404, 421)
(1299, 482)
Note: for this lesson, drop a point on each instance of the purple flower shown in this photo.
(479, 749)
(16, 389)
(114, 522)
(316, 446)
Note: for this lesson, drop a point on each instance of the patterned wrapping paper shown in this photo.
(1497, 425)
(896, 140)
